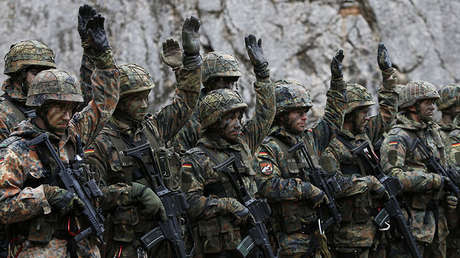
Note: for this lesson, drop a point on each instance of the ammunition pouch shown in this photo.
(42, 228)
(124, 220)
(290, 217)
(218, 234)
(356, 208)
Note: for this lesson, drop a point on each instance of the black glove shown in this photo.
(62, 200)
(383, 58)
(256, 55)
(98, 38)
(336, 65)
(191, 43)
(85, 13)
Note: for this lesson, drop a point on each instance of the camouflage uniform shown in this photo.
(205, 188)
(356, 234)
(108, 161)
(215, 64)
(12, 103)
(38, 230)
(421, 188)
(280, 180)
(450, 134)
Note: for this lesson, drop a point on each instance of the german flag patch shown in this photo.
(89, 151)
(393, 143)
(266, 168)
(263, 153)
(187, 165)
(456, 144)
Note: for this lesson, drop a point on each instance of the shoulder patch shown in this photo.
(266, 168)
(456, 144)
(393, 143)
(187, 165)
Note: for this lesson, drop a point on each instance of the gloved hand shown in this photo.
(376, 187)
(451, 202)
(85, 13)
(336, 65)
(171, 53)
(234, 207)
(148, 199)
(314, 194)
(256, 55)
(97, 37)
(383, 58)
(62, 200)
(191, 36)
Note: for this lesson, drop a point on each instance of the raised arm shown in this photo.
(258, 127)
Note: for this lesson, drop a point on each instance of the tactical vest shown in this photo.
(357, 208)
(127, 223)
(414, 161)
(41, 229)
(218, 234)
(293, 216)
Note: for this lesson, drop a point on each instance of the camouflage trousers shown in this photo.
(54, 248)
(436, 249)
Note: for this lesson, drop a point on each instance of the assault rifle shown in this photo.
(174, 202)
(258, 209)
(392, 210)
(330, 186)
(435, 166)
(84, 193)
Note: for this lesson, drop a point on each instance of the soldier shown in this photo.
(131, 127)
(218, 217)
(282, 179)
(355, 236)
(22, 62)
(449, 105)
(220, 71)
(423, 196)
(41, 214)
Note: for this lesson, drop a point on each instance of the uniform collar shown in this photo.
(216, 142)
(14, 90)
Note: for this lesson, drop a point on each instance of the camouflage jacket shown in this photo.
(401, 158)
(24, 169)
(189, 134)
(357, 202)
(203, 186)
(12, 107)
(454, 148)
(106, 156)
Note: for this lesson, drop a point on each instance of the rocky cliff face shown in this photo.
(299, 37)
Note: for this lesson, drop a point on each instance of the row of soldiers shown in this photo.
(195, 166)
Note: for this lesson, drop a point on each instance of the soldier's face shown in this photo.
(134, 105)
(224, 82)
(230, 125)
(31, 72)
(425, 109)
(359, 119)
(297, 120)
(58, 115)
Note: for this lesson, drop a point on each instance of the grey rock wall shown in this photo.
(299, 37)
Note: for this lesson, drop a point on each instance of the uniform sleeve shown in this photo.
(388, 107)
(454, 151)
(256, 129)
(16, 203)
(97, 157)
(270, 183)
(188, 136)
(173, 117)
(393, 155)
(86, 69)
(88, 123)
(333, 116)
(193, 186)
(4, 128)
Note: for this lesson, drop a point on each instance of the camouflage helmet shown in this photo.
(134, 78)
(217, 64)
(53, 85)
(357, 96)
(449, 96)
(218, 102)
(415, 91)
(291, 95)
(28, 52)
